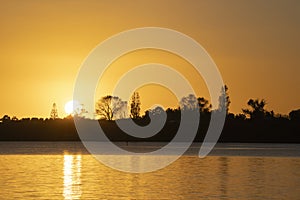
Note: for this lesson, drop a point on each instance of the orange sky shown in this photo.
(43, 43)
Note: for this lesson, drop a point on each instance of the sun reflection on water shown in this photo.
(72, 174)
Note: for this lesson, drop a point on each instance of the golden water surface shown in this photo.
(81, 176)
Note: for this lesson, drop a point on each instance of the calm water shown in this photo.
(66, 171)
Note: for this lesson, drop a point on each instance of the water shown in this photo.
(57, 170)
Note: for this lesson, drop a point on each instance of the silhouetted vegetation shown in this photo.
(257, 110)
(295, 115)
(135, 106)
(224, 100)
(53, 113)
(254, 124)
(110, 107)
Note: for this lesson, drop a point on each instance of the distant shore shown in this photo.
(235, 131)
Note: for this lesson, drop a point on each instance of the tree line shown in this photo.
(254, 124)
(113, 108)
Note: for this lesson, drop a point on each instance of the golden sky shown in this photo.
(255, 44)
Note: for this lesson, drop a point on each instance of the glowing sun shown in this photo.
(71, 107)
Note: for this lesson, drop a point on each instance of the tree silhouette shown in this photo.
(109, 106)
(54, 113)
(257, 109)
(189, 103)
(123, 111)
(135, 106)
(295, 115)
(203, 104)
(224, 100)
(14, 118)
(173, 113)
(156, 111)
(5, 118)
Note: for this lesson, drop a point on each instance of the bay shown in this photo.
(66, 170)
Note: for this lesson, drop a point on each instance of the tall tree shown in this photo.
(123, 111)
(224, 100)
(54, 113)
(109, 106)
(135, 105)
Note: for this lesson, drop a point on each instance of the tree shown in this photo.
(156, 111)
(240, 116)
(54, 113)
(135, 106)
(5, 118)
(257, 110)
(189, 103)
(173, 113)
(224, 100)
(123, 111)
(14, 118)
(203, 104)
(295, 115)
(108, 107)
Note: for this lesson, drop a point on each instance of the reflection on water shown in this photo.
(72, 173)
(77, 175)
(223, 171)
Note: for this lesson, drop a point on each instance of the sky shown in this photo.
(255, 45)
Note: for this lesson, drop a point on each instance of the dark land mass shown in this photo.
(272, 130)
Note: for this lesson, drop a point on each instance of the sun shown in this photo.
(71, 107)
